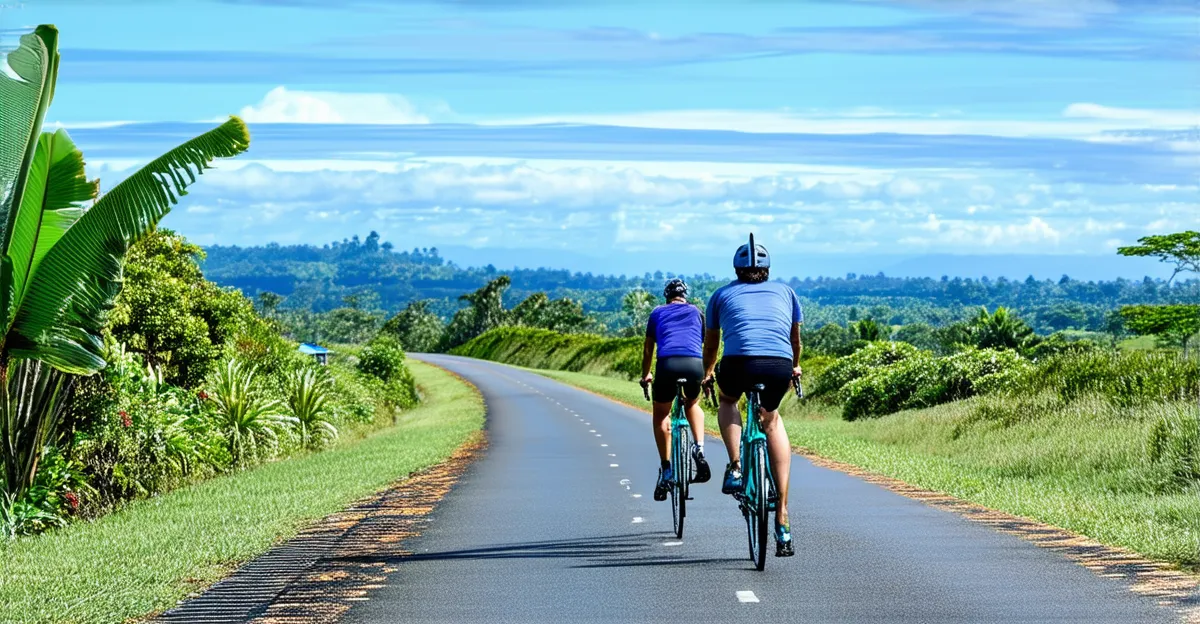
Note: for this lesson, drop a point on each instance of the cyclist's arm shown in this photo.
(712, 345)
(647, 355)
(797, 347)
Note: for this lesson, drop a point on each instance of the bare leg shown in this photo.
(695, 416)
(779, 448)
(730, 420)
(662, 429)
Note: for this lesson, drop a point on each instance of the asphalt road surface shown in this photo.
(556, 522)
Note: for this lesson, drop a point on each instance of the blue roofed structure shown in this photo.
(317, 352)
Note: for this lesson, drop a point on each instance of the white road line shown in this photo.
(612, 454)
(746, 596)
(612, 465)
(672, 543)
(597, 435)
(636, 495)
(637, 520)
(604, 445)
(591, 431)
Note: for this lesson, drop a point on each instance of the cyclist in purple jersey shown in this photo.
(677, 331)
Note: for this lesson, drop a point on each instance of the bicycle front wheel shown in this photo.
(755, 473)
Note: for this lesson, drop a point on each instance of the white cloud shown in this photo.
(1134, 117)
(282, 105)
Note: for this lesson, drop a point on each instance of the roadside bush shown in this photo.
(1123, 378)
(923, 381)
(382, 358)
(541, 348)
(871, 357)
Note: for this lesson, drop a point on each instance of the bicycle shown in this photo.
(759, 496)
(681, 455)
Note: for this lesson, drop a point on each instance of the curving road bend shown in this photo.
(555, 522)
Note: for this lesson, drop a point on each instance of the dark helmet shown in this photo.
(675, 288)
(743, 260)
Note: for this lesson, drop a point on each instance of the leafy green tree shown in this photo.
(416, 327)
(869, 330)
(1001, 330)
(484, 311)
(268, 302)
(170, 314)
(61, 262)
(830, 339)
(348, 325)
(560, 315)
(1173, 325)
(1181, 249)
(920, 335)
(636, 306)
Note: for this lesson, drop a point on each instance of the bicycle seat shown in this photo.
(759, 387)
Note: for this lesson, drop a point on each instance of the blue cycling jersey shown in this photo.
(755, 319)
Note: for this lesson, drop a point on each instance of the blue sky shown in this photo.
(605, 136)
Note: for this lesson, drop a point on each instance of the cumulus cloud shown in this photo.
(606, 209)
(282, 105)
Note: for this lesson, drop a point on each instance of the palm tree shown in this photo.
(308, 401)
(61, 259)
(1001, 330)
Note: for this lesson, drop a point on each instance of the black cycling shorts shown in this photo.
(669, 370)
(737, 373)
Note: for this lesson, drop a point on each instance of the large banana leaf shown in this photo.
(25, 93)
(79, 277)
(55, 188)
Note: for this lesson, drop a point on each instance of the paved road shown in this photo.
(556, 523)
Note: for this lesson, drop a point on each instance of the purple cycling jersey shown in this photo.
(677, 329)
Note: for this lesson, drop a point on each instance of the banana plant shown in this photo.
(62, 247)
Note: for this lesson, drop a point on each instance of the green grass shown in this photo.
(1082, 466)
(146, 556)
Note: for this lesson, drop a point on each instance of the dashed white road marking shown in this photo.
(604, 445)
(636, 495)
(612, 465)
(746, 596)
(597, 435)
(672, 543)
(637, 520)
(612, 454)
(591, 431)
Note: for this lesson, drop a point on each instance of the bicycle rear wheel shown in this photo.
(756, 504)
(681, 459)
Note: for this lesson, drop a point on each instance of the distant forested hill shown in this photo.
(376, 276)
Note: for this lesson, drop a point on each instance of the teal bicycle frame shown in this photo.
(681, 455)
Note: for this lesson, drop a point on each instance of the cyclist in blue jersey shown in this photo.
(760, 323)
(676, 329)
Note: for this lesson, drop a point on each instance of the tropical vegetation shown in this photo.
(124, 373)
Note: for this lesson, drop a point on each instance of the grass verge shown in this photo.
(145, 557)
(1080, 466)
